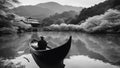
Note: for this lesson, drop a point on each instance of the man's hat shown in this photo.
(41, 37)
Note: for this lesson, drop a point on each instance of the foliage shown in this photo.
(6, 4)
(64, 17)
(63, 27)
(99, 9)
(108, 22)
(6, 17)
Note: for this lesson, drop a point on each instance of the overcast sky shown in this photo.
(82, 3)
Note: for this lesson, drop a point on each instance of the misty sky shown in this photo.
(82, 3)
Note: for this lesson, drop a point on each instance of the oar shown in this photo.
(49, 47)
(26, 59)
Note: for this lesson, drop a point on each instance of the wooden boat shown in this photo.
(52, 56)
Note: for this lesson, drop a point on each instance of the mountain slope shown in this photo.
(58, 7)
(32, 11)
(44, 10)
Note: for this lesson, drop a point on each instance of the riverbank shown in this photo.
(61, 28)
(77, 28)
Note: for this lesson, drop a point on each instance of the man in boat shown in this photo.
(42, 44)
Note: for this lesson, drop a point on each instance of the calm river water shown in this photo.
(87, 51)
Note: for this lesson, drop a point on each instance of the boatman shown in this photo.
(42, 44)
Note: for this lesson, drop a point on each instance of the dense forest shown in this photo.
(8, 20)
(5, 16)
(98, 9)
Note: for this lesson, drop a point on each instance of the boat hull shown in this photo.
(53, 56)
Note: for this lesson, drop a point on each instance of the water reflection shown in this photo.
(86, 62)
(10, 45)
(104, 45)
(87, 51)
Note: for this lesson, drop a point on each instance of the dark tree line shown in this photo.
(98, 9)
(5, 16)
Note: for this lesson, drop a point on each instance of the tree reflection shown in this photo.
(104, 45)
(10, 45)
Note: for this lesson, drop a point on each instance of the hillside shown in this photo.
(98, 9)
(33, 11)
(58, 8)
(44, 10)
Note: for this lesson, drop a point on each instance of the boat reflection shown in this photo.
(59, 65)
